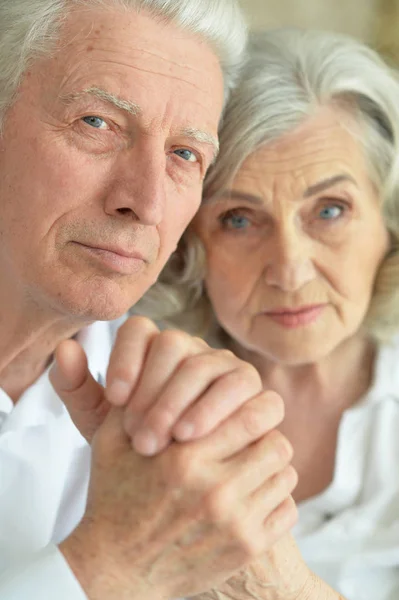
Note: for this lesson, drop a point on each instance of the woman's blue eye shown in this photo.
(235, 221)
(186, 155)
(95, 122)
(332, 212)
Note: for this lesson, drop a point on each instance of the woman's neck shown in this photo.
(333, 383)
(316, 396)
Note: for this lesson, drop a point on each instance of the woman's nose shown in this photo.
(289, 264)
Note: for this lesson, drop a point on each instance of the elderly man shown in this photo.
(109, 114)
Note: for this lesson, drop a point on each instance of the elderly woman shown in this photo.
(293, 263)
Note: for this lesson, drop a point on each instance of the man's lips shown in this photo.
(120, 251)
(115, 258)
(296, 317)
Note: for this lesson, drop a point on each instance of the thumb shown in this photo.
(77, 388)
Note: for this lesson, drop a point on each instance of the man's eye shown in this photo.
(95, 122)
(186, 155)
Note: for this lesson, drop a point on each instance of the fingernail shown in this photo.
(183, 431)
(145, 442)
(118, 392)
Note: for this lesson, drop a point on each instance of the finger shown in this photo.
(127, 358)
(80, 392)
(112, 439)
(198, 374)
(267, 497)
(165, 355)
(281, 520)
(248, 424)
(225, 396)
(260, 462)
(260, 505)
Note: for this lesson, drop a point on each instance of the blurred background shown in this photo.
(373, 21)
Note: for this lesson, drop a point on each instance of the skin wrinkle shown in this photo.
(135, 110)
(283, 222)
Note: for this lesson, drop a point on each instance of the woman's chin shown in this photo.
(295, 352)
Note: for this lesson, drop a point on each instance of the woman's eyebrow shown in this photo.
(327, 183)
(235, 195)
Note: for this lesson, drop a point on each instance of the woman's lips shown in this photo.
(293, 318)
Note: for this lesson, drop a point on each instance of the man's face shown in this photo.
(102, 162)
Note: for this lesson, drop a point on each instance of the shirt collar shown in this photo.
(40, 402)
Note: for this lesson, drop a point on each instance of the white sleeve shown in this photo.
(46, 576)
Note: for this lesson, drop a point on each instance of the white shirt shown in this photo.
(349, 534)
(44, 473)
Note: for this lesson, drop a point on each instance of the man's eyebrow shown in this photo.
(134, 109)
(130, 107)
(327, 183)
(203, 137)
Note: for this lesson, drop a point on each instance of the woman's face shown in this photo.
(293, 247)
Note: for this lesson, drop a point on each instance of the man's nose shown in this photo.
(290, 263)
(138, 189)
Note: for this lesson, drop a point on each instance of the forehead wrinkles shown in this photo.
(321, 152)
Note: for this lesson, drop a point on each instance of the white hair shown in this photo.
(289, 75)
(30, 29)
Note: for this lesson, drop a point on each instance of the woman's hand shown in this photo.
(281, 574)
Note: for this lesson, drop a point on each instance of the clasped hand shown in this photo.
(205, 489)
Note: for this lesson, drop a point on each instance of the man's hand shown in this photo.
(173, 386)
(184, 521)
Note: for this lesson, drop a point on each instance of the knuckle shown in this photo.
(216, 504)
(124, 372)
(250, 373)
(281, 446)
(289, 477)
(252, 420)
(161, 418)
(283, 518)
(200, 342)
(172, 338)
(185, 464)
(137, 322)
(275, 405)
(198, 364)
(251, 544)
(227, 355)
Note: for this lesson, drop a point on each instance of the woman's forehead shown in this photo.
(321, 147)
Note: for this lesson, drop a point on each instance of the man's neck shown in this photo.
(28, 339)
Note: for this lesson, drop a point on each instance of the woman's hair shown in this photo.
(289, 75)
(30, 29)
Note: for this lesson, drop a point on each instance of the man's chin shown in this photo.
(95, 306)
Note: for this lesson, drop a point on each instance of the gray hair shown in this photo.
(29, 29)
(289, 74)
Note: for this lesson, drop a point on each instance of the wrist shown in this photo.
(99, 571)
(316, 589)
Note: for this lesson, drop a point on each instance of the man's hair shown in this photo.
(29, 29)
(289, 75)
